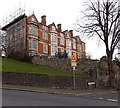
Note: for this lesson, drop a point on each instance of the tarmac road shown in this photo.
(25, 98)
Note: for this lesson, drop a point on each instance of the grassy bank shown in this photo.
(17, 66)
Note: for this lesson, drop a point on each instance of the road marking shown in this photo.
(113, 100)
(100, 98)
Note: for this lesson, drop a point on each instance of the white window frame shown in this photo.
(74, 45)
(80, 47)
(62, 49)
(32, 44)
(62, 41)
(33, 30)
(33, 19)
(53, 28)
(45, 28)
(45, 35)
(68, 43)
(54, 37)
(45, 48)
(54, 49)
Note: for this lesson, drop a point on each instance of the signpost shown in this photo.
(73, 65)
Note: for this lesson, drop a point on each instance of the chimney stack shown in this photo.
(43, 19)
(59, 27)
(71, 33)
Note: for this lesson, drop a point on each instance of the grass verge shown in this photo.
(17, 66)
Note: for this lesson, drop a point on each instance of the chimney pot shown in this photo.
(71, 33)
(59, 27)
(43, 19)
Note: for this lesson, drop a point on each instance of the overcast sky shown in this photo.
(57, 11)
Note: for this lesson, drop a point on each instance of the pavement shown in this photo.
(78, 92)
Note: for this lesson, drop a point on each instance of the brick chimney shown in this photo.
(43, 19)
(71, 33)
(59, 27)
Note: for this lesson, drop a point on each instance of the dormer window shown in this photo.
(33, 19)
(67, 34)
(53, 28)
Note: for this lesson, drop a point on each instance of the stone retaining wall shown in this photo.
(83, 66)
(44, 80)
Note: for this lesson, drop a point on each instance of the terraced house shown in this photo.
(39, 38)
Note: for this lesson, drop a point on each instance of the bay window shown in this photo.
(33, 30)
(33, 44)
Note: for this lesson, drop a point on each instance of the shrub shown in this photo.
(21, 56)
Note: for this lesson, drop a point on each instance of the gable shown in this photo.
(53, 28)
(33, 19)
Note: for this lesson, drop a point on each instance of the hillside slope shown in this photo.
(17, 66)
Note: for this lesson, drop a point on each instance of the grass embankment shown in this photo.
(17, 66)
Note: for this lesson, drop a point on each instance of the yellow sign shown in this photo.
(73, 61)
(73, 58)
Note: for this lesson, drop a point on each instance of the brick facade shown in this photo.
(43, 39)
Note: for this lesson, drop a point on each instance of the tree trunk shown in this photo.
(111, 70)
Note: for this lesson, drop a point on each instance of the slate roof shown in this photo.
(14, 21)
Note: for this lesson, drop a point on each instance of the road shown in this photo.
(24, 98)
(110, 96)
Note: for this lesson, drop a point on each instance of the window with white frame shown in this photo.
(79, 55)
(62, 41)
(54, 49)
(45, 48)
(67, 34)
(33, 30)
(33, 19)
(54, 37)
(53, 28)
(80, 47)
(62, 49)
(68, 42)
(45, 35)
(74, 44)
(33, 44)
(45, 28)
(69, 52)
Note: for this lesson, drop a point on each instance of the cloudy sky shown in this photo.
(57, 11)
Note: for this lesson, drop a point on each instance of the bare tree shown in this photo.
(101, 19)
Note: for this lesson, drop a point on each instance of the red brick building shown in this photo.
(42, 39)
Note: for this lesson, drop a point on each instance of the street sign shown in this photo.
(73, 68)
(73, 64)
(73, 58)
(73, 61)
